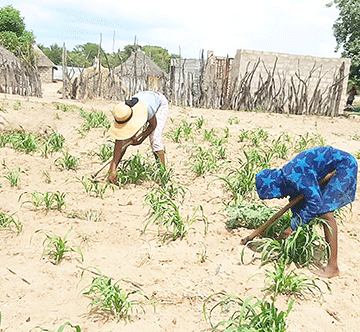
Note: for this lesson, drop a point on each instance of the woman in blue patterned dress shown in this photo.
(301, 176)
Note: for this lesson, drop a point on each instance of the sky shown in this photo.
(186, 27)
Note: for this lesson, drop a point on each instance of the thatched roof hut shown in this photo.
(18, 77)
(139, 72)
(45, 66)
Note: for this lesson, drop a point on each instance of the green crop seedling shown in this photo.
(109, 298)
(8, 221)
(281, 281)
(67, 162)
(56, 246)
(249, 315)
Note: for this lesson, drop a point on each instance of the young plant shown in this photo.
(204, 161)
(281, 281)
(48, 200)
(56, 246)
(94, 188)
(8, 221)
(53, 143)
(67, 162)
(249, 315)
(95, 119)
(62, 327)
(105, 152)
(13, 176)
(302, 247)
(165, 212)
(111, 299)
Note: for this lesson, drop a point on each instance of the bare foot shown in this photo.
(327, 272)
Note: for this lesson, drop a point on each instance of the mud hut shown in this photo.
(18, 77)
(140, 73)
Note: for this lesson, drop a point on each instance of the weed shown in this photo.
(46, 176)
(253, 215)
(8, 221)
(111, 299)
(67, 162)
(89, 215)
(248, 315)
(56, 246)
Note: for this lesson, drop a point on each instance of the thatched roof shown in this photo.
(42, 59)
(7, 55)
(140, 64)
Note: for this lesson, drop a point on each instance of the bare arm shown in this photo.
(119, 151)
(151, 125)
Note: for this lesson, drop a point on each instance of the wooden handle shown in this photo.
(293, 202)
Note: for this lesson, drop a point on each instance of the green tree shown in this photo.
(10, 20)
(159, 55)
(347, 34)
(13, 35)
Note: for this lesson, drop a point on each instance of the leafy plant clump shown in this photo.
(110, 298)
(253, 215)
(249, 315)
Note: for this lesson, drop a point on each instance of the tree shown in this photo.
(10, 20)
(159, 55)
(347, 34)
(13, 35)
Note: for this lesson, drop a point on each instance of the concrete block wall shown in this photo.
(308, 68)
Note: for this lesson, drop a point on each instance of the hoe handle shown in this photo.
(126, 144)
(288, 206)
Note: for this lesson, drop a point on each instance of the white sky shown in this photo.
(301, 27)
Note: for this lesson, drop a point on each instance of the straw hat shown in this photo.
(128, 120)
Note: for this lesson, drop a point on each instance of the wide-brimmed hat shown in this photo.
(128, 120)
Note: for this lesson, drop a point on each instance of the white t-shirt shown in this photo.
(151, 99)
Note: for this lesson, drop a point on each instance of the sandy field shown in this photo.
(177, 275)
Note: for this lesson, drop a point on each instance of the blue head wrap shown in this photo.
(269, 183)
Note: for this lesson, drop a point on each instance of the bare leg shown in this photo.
(160, 155)
(331, 237)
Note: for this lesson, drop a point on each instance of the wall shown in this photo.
(315, 70)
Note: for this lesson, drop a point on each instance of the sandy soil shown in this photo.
(177, 275)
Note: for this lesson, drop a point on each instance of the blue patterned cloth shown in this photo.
(301, 175)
